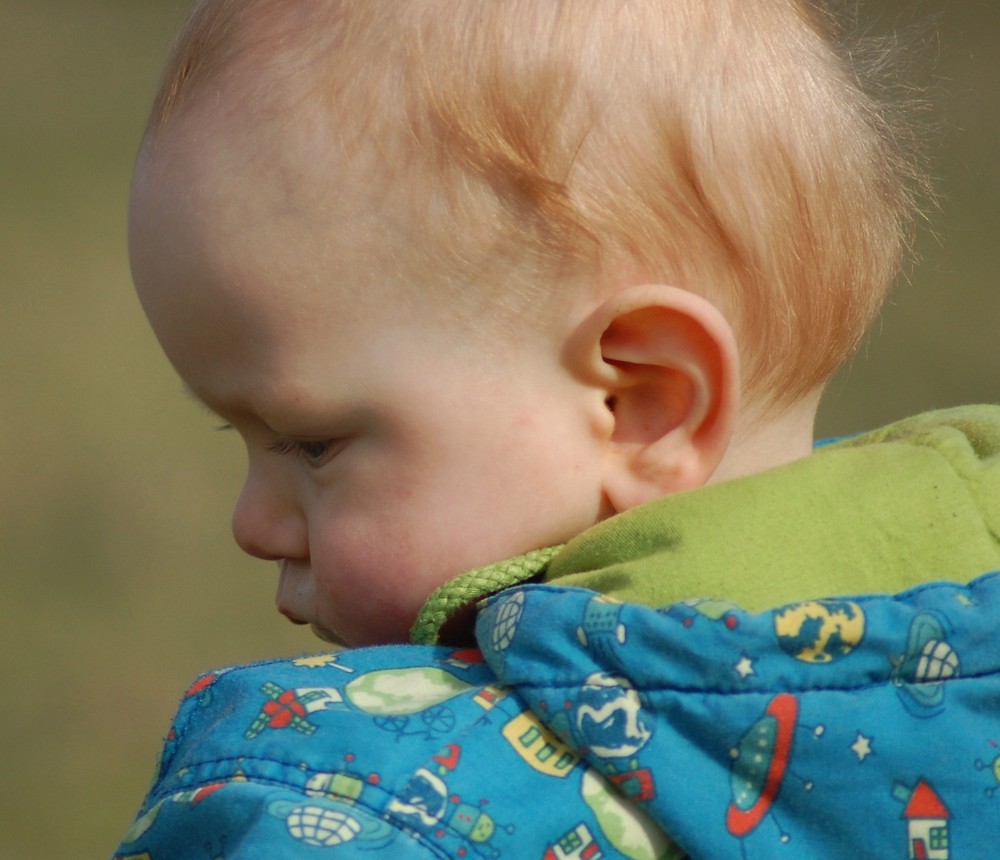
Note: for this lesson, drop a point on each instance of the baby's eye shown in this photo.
(314, 451)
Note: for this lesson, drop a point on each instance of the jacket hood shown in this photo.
(852, 727)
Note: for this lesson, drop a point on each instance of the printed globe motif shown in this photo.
(929, 660)
(506, 621)
(937, 662)
(315, 825)
(819, 631)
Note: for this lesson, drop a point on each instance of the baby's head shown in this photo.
(470, 277)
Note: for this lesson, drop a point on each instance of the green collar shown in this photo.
(447, 615)
(913, 502)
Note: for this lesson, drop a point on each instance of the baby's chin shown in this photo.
(327, 636)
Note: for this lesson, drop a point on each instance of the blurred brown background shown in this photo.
(121, 578)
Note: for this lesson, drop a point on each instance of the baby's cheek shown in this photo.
(376, 569)
(367, 567)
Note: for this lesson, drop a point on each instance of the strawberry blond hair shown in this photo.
(730, 147)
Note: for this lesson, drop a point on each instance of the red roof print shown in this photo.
(924, 803)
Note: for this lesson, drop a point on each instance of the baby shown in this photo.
(476, 280)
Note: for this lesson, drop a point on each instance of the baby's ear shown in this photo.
(667, 362)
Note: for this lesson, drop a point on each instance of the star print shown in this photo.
(319, 661)
(745, 667)
(862, 747)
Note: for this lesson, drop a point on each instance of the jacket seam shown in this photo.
(759, 691)
(273, 782)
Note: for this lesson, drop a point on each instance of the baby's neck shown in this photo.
(760, 444)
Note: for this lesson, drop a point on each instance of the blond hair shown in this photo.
(727, 147)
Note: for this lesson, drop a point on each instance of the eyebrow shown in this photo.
(190, 394)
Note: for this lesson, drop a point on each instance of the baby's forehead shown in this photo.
(282, 62)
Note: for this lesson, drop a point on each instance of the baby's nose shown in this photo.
(266, 525)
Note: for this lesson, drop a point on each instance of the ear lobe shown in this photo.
(670, 361)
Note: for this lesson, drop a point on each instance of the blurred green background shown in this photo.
(121, 579)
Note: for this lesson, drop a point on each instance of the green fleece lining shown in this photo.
(913, 502)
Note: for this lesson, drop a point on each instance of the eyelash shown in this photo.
(292, 446)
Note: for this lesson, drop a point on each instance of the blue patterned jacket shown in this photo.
(866, 727)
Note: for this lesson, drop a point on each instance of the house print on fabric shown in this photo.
(926, 819)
